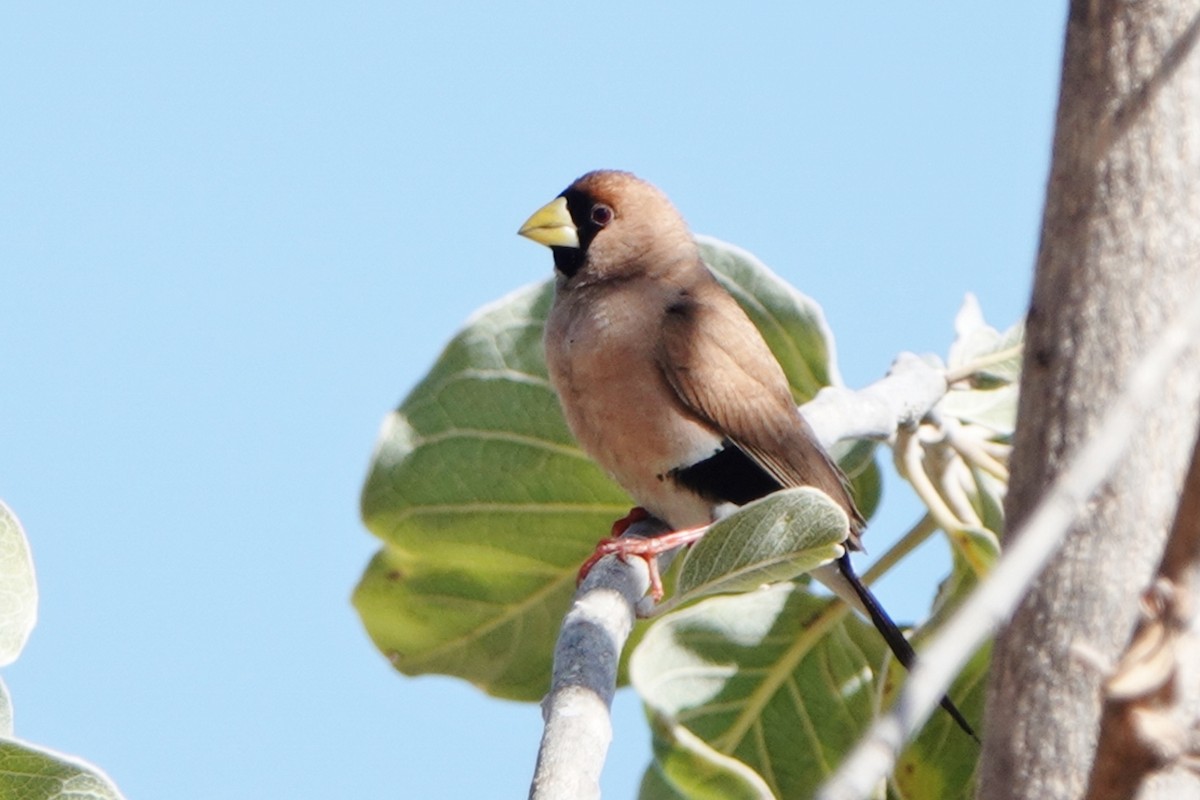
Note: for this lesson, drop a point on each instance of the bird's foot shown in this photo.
(647, 549)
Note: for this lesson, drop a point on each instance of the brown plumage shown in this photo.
(714, 358)
(657, 365)
(667, 383)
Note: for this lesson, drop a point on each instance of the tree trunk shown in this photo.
(1119, 256)
(1149, 737)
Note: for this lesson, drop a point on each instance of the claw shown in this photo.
(647, 549)
(623, 547)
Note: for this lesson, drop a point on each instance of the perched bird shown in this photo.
(669, 386)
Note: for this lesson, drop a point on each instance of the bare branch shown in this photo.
(578, 727)
(910, 390)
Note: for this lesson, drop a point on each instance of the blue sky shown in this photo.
(233, 235)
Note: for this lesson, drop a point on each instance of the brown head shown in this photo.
(611, 225)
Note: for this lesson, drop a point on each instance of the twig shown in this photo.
(954, 482)
(912, 387)
(970, 447)
(1032, 546)
(908, 455)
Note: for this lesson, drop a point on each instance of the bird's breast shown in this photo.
(602, 356)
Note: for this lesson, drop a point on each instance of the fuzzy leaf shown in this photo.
(18, 587)
(994, 408)
(776, 680)
(32, 773)
(686, 767)
(989, 398)
(773, 539)
(997, 356)
(986, 493)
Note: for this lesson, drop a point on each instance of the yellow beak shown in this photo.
(551, 225)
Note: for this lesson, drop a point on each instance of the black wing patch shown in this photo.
(729, 476)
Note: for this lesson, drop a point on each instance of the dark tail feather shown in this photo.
(894, 638)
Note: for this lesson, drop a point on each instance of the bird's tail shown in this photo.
(845, 582)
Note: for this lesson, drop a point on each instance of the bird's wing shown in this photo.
(714, 358)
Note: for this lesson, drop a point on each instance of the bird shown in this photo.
(668, 385)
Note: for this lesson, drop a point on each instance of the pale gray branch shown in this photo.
(578, 726)
(910, 390)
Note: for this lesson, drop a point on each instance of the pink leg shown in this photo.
(647, 549)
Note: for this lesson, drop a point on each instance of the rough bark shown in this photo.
(1149, 736)
(1119, 257)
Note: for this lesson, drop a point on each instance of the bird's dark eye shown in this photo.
(601, 214)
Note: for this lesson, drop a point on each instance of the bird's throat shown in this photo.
(568, 260)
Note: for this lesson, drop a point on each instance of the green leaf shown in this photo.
(33, 773)
(773, 539)
(655, 786)
(995, 356)
(989, 398)
(942, 760)
(986, 493)
(18, 587)
(485, 505)
(856, 457)
(686, 767)
(973, 553)
(777, 680)
(486, 508)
